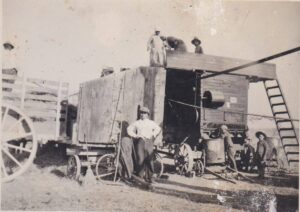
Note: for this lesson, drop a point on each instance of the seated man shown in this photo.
(143, 132)
(247, 155)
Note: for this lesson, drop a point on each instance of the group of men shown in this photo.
(137, 148)
(157, 45)
(264, 153)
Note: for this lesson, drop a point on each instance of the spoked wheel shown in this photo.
(184, 159)
(18, 143)
(199, 168)
(158, 165)
(106, 167)
(73, 167)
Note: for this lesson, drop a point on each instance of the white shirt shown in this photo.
(155, 42)
(143, 128)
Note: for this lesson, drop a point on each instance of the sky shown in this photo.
(73, 40)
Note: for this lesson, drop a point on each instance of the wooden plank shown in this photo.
(10, 77)
(42, 114)
(11, 85)
(15, 102)
(39, 105)
(41, 97)
(14, 94)
(43, 82)
(30, 89)
(190, 61)
(58, 105)
(45, 110)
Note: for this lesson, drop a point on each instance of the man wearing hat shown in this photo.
(228, 144)
(143, 132)
(260, 156)
(176, 44)
(198, 48)
(157, 49)
(265, 152)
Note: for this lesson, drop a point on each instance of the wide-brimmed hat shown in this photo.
(195, 39)
(260, 133)
(144, 110)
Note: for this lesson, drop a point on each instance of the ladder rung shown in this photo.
(283, 120)
(277, 104)
(293, 161)
(292, 153)
(280, 112)
(287, 145)
(272, 87)
(284, 137)
(285, 129)
(273, 96)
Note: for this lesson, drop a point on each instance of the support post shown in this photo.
(58, 108)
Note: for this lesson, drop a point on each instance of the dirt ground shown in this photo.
(45, 187)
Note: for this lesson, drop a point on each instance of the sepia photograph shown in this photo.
(135, 105)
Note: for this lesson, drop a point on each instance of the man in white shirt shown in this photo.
(157, 49)
(143, 132)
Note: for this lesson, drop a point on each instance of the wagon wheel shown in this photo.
(158, 165)
(106, 167)
(184, 159)
(73, 167)
(18, 143)
(199, 168)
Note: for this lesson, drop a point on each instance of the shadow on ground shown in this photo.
(51, 154)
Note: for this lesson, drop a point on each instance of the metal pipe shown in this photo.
(253, 63)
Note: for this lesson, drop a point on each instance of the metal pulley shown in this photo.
(213, 99)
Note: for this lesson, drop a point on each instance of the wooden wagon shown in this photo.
(33, 110)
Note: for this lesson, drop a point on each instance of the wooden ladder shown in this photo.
(285, 126)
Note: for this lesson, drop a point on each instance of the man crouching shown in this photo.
(143, 132)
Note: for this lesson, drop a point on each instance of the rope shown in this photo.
(236, 112)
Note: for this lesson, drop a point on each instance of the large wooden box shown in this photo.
(109, 104)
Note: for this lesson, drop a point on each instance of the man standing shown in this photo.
(228, 145)
(143, 132)
(157, 49)
(198, 48)
(264, 153)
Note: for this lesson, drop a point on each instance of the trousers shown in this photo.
(230, 154)
(144, 157)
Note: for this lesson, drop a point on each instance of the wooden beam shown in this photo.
(191, 61)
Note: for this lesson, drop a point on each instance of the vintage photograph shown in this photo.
(135, 105)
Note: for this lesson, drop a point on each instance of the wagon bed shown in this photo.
(44, 101)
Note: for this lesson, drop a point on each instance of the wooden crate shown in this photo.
(44, 101)
(107, 102)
